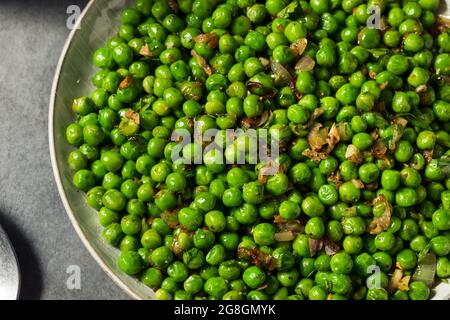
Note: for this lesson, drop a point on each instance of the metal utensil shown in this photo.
(9, 269)
(444, 9)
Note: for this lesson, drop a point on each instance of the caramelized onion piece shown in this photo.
(358, 183)
(305, 63)
(404, 283)
(428, 155)
(258, 122)
(173, 5)
(353, 154)
(265, 62)
(258, 258)
(372, 186)
(278, 219)
(394, 281)
(379, 149)
(132, 115)
(315, 155)
(171, 218)
(202, 62)
(380, 224)
(294, 226)
(331, 248)
(146, 52)
(210, 38)
(316, 114)
(426, 270)
(335, 178)
(284, 236)
(126, 82)
(317, 137)
(443, 23)
(280, 71)
(333, 138)
(315, 245)
(422, 88)
(262, 120)
(299, 46)
(399, 126)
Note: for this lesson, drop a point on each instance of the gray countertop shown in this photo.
(32, 34)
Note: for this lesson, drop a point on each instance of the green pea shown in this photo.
(130, 262)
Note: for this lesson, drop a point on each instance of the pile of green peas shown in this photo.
(186, 230)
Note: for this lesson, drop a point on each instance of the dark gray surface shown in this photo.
(32, 34)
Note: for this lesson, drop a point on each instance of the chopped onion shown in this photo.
(336, 178)
(258, 258)
(353, 154)
(315, 155)
(426, 270)
(262, 120)
(400, 121)
(293, 226)
(264, 61)
(132, 115)
(146, 52)
(171, 218)
(331, 248)
(129, 125)
(269, 169)
(404, 283)
(211, 39)
(284, 236)
(374, 135)
(299, 46)
(306, 63)
(280, 71)
(126, 82)
(316, 113)
(399, 125)
(395, 279)
(278, 219)
(422, 88)
(379, 149)
(428, 155)
(315, 245)
(177, 250)
(380, 224)
(173, 5)
(256, 122)
(358, 184)
(333, 138)
(317, 137)
(202, 62)
(372, 186)
(262, 287)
